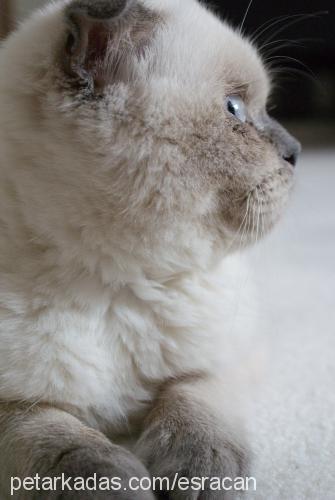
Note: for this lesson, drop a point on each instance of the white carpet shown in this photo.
(293, 424)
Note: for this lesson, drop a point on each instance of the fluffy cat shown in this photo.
(135, 148)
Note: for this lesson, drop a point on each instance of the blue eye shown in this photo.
(236, 107)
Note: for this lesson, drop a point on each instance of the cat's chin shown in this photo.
(267, 202)
(259, 219)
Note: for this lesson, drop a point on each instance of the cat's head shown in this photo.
(140, 127)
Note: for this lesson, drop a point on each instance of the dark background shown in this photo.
(305, 90)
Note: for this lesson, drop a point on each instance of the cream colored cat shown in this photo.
(135, 150)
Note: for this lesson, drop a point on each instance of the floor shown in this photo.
(293, 428)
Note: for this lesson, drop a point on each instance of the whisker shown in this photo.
(294, 59)
(284, 44)
(263, 218)
(245, 16)
(241, 230)
(296, 21)
(248, 228)
(273, 42)
(295, 18)
(253, 231)
(271, 23)
(268, 25)
(32, 405)
(238, 231)
(258, 216)
(279, 70)
(246, 223)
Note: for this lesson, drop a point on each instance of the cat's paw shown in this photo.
(197, 452)
(105, 463)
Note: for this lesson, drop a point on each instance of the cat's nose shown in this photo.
(288, 147)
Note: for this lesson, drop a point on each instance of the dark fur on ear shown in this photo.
(100, 36)
(100, 9)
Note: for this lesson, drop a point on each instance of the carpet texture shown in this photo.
(293, 410)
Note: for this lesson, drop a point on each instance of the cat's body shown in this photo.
(123, 183)
(77, 341)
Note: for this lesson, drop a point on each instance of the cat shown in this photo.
(135, 150)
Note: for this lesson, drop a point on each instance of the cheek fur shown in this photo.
(251, 183)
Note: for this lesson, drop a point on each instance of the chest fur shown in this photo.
(104, 354)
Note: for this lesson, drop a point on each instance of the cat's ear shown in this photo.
(101, 35)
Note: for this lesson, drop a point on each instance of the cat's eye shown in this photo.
(236, 107)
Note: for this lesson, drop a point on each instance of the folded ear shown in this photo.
(99, 38)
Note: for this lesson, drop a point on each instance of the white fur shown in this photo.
(95, 325)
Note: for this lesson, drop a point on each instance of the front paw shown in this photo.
(105, 462)
(196, 450)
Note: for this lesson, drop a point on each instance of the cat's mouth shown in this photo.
(258, 211)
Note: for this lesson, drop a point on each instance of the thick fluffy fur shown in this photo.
(124, 181)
